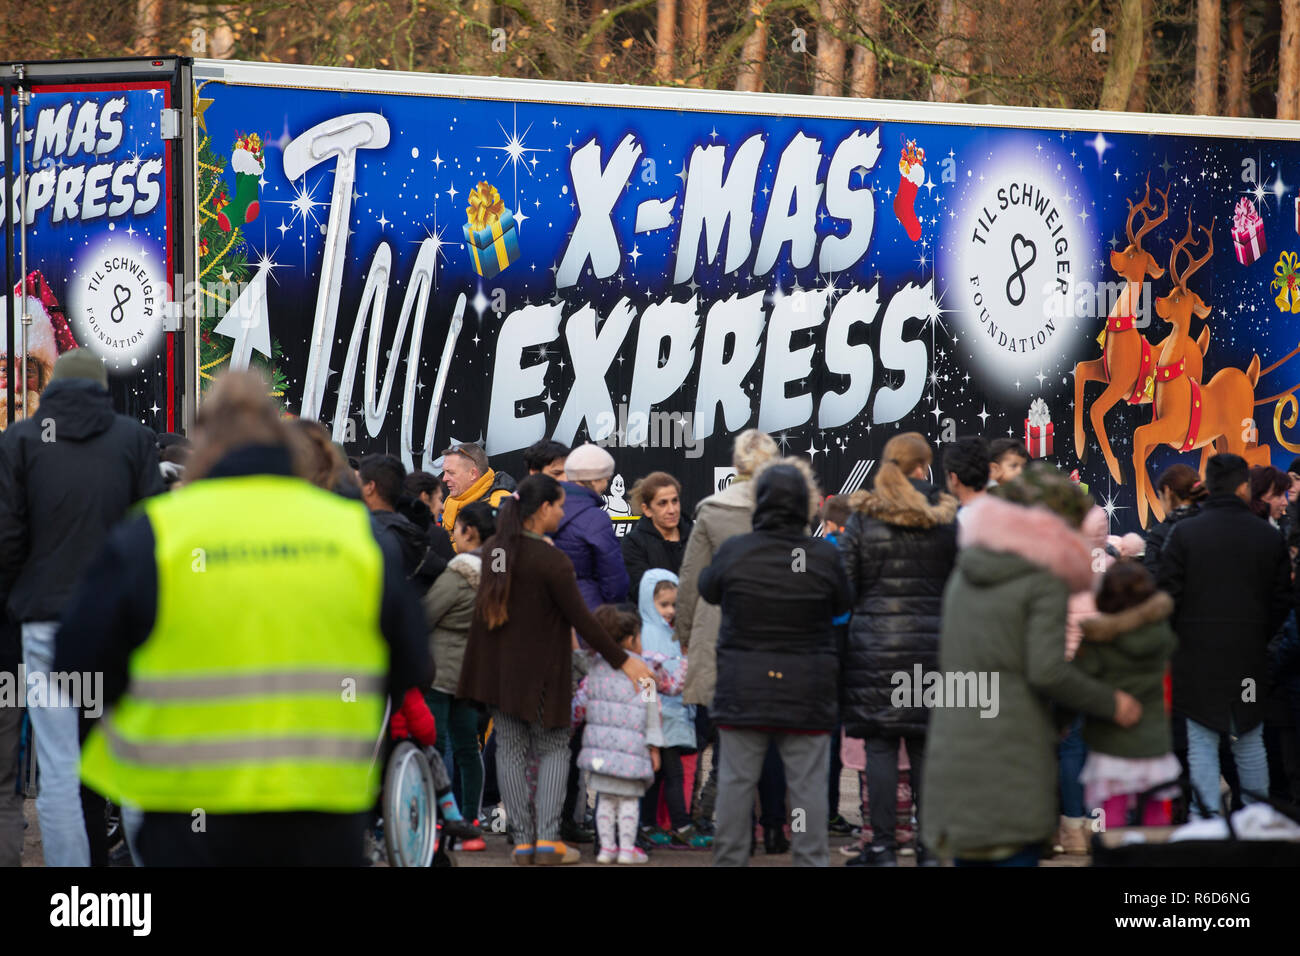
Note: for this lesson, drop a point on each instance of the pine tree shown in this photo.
(223, 267)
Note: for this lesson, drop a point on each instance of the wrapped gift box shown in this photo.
(493, 247)
(1247, 233)
(1038, 439)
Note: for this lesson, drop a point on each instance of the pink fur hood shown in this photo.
(1035, 534)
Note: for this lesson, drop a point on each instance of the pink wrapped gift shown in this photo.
(1247, 232)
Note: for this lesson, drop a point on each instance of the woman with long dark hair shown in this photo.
(1270, 490)
(519, 657)
(1181, 492)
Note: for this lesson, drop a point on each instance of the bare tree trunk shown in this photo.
(1205, 90)
(1288, 68)
(666, 41)
(1137, 101)
(829, 78)
(599, 48)
(753, 55)
(695, 31)
(953, 51)
(1125, 55)
(148, 26)
(221, 34)
(865, 80)
(1235, 103)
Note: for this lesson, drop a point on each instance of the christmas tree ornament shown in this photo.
(1287, 282)
(911, 172)
(249, 164)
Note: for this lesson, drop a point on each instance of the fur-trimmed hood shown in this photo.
(468, 566)
(1107, 627)
(917, 505)
(1032, 534)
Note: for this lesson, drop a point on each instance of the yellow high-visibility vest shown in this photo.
(262, 684)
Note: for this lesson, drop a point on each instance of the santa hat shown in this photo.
(49, 335)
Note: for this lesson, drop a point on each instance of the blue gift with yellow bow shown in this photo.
(490, 232)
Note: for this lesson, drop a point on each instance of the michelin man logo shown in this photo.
(615, 505)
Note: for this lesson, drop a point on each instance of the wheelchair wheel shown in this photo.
(409, 808)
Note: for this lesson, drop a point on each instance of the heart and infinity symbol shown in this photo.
(121, 295)
(1019, 242)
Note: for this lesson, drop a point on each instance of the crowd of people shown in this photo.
(965, 634)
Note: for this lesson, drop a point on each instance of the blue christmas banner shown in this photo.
(99, 239)
(438, 269)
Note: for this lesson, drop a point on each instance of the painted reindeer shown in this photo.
(1213, 417)
(1127, 358)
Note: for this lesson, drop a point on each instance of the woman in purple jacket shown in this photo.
(586, 534)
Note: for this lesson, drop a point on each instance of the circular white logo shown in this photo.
(1020, 256)
(118, 305)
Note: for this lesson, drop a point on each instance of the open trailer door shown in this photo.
(95, 152)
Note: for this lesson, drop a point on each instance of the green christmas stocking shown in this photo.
(248, 164)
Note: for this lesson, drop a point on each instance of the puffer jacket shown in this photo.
(717, 518)
(657, 639)
(449, 610)
(777, 656)
(614, 741)
(587, 536)
(899, 547)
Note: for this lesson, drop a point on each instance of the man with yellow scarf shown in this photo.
(469, 479)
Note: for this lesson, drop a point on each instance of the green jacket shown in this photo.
(1131, 651)
(449, 610)
(991, 781)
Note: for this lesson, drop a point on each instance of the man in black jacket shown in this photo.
(778, 662)
(1230, 577)
(381, 489)
(67, 475)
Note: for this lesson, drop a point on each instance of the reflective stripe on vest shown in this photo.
(261, 686)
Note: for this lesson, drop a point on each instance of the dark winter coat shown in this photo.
(1229, 574)
(645, 548)
(1130, 650)
(524, 666)
(66, 477)
(899, 547)
(1158, 535)
(587, 536)
(991, 782)
(777, 657)
(397, 534)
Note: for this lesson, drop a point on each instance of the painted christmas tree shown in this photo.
(223, 255)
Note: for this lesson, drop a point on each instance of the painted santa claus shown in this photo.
(48, 337)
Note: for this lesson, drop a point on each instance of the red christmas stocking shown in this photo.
(904, 203)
